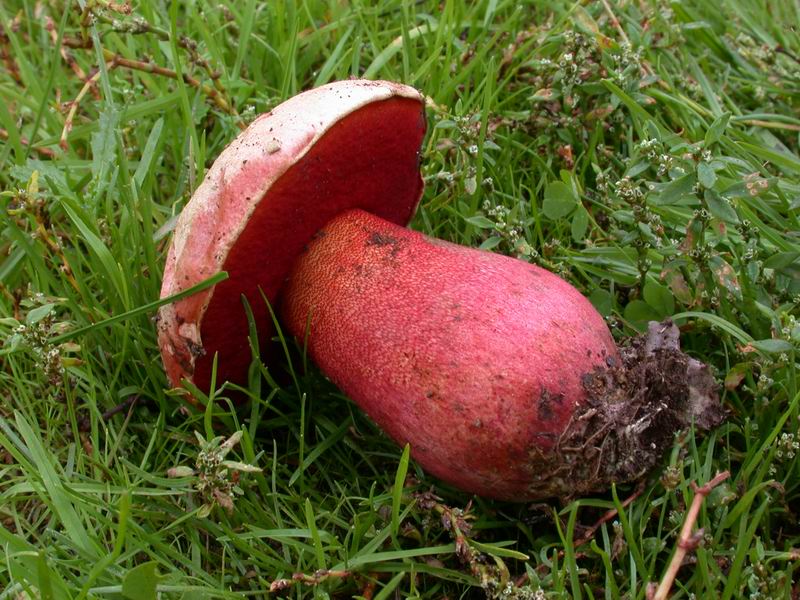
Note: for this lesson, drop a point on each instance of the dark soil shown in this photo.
(631, 415)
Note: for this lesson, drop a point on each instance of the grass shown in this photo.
(646, 151)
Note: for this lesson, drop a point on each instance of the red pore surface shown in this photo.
(475, 359)
(367, 159)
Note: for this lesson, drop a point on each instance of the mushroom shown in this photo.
(502, 377)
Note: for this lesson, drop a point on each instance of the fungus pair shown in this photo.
(503, 378)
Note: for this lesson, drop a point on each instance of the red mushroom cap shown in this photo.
(349, 144)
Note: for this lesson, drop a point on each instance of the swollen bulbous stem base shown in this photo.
(632, 413)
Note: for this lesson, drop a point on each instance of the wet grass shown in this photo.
(647, 152)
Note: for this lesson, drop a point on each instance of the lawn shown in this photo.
(646, 151)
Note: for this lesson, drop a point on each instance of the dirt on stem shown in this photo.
(632, 412)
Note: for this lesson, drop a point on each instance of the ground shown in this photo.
(646, 151)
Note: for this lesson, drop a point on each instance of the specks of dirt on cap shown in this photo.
(272, 146)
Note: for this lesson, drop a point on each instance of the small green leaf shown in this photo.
(660, 298)
(716, 129)
(445, 124)
(772, 346)
(781, 260)
(706, 175)
(490, 243)
(638, 312)
(39, 313)
(480, 222)
(676, 189)
(559, 200)
(140, 582)
(602, 301)
(580, 223)
(637, 168)
(720, 207)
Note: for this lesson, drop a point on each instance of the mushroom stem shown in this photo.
(476, 359)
